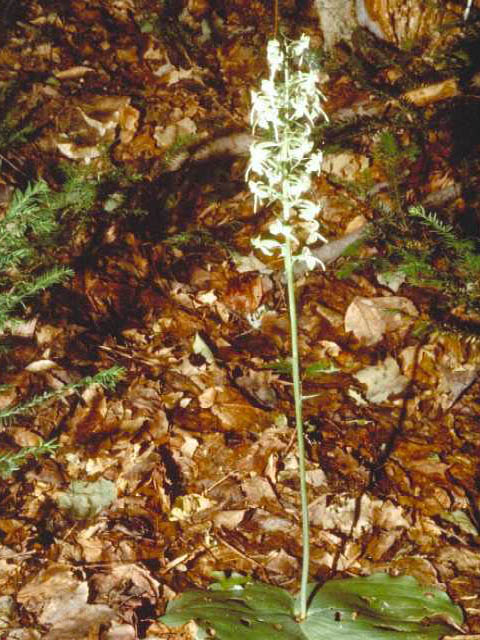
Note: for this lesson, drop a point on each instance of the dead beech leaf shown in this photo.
(76, 152)
(47, 584)
(230, 519)
(41, 365)
(382, 380)
(236, 414)
(245, 292)
(281, 563)
(453, 383)
(24, 328)
(61, 601)
(433, 93)
(258, 385)
(345, 165)
(72, 73)
(119, 577)
(207, 398)
(244, 264)
(201, 347)
(100, 127)
(341, 512)
(370, 318)
(187, 506)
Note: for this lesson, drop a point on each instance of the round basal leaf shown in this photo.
(258, 612)
(380, 607)
(375, 608)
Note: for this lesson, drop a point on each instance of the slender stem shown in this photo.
(297, 392)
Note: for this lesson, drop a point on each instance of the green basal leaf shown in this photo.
(379, 607)
(258, 612)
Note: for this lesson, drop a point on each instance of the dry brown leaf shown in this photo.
(382, 380)
(41, 365)
(229, 519)
(280, 562)
(257, 491)
(245, 292)
(236, 414)
(60, 601)
(72, 73)
(453, 383)
(343, 512)
(433, 93)
(345, 165)
(370, 318)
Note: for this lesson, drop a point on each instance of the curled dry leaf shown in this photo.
(41, 365)
(72, 73)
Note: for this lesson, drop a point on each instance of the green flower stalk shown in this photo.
(285, 109)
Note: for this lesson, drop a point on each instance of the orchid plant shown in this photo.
(283, 161)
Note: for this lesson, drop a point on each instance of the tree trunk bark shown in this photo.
(337, 20)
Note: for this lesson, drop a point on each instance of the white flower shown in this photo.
(269, 89)
(275, 56)
(302, 148)
(296, 185)
(310, 260)
(308, 210)
(280, 228)
(314, 163)
(308, 84)
(260, 192)
(311, 227)
(266, 246)
(287, 107)
(260, 153)
(264, 111)
(301, 45)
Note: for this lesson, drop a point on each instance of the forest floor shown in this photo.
(197, 438)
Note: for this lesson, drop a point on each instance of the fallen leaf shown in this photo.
(72, 73)
(185, 507)
(382, 380)
(41, 365)
(370, 318)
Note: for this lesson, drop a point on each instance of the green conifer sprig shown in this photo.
(79, 190)
(107, 379)
(28, 217)
(27, 231)
(13, 460)
(27, 227)
(464, 249)
(20, 293)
